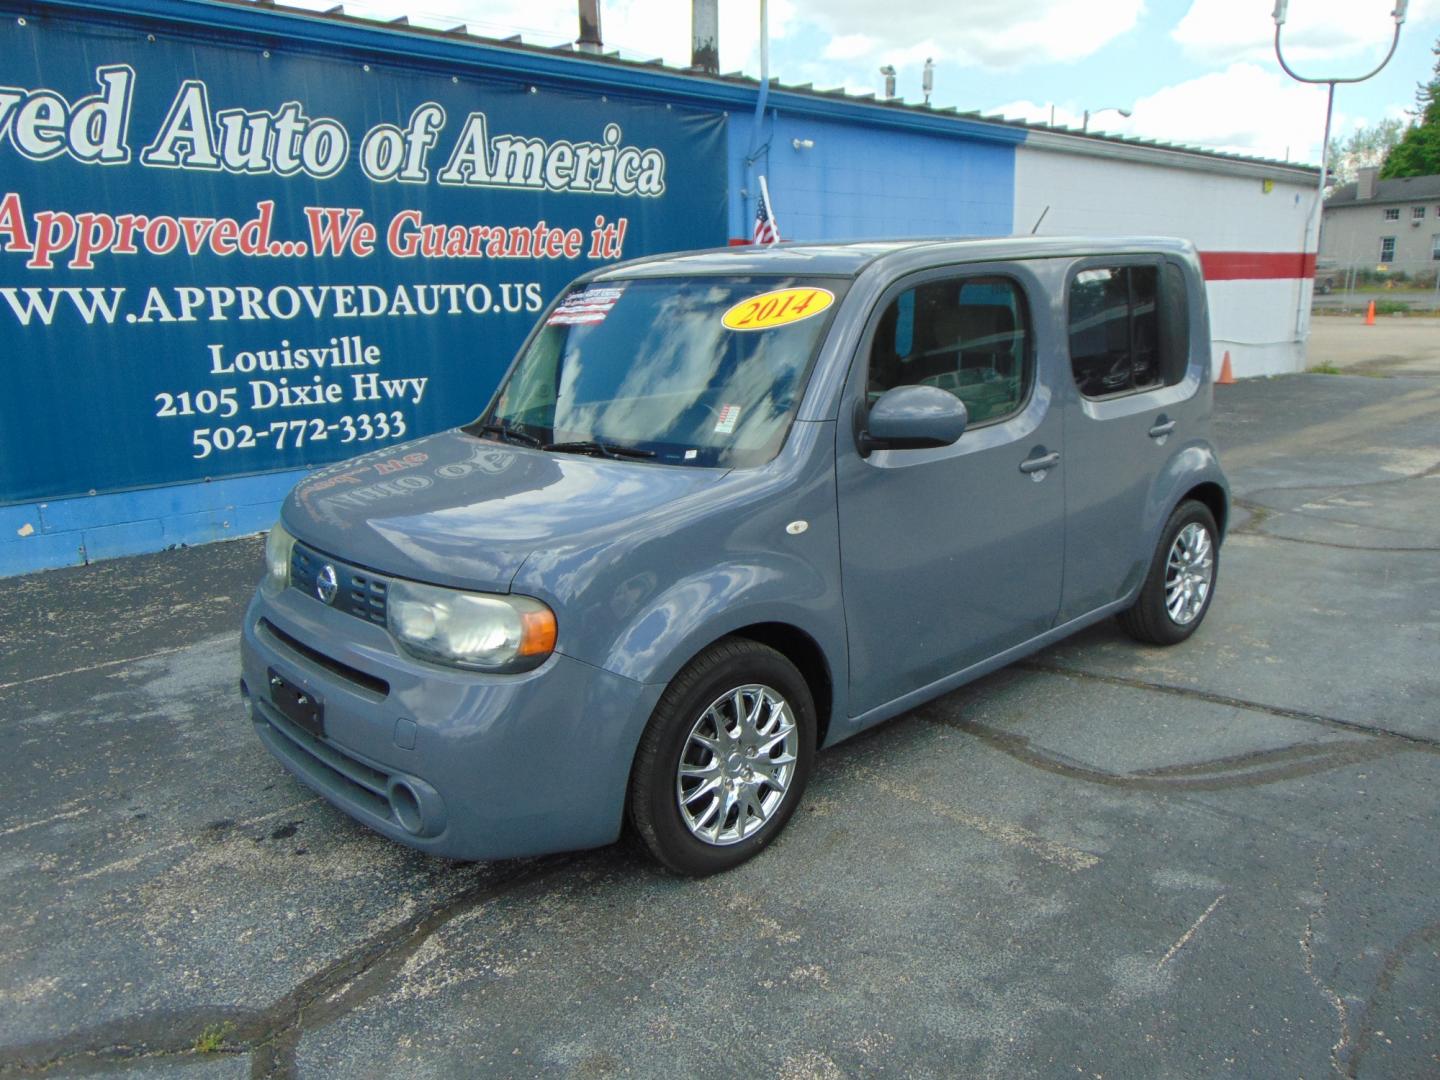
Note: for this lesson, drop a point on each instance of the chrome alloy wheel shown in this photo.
(1189, 573)
(737, 764)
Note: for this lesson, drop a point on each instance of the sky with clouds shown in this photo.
(1196, 72)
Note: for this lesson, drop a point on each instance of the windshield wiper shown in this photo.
(591, 446)
(509, 433)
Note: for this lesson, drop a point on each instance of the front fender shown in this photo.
(707, 606)
(760, 546)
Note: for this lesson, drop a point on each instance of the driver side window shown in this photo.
(970, 336)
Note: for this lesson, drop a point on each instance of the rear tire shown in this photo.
(724, 760)
(1181, 581)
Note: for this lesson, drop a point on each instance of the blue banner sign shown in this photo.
(222, 257)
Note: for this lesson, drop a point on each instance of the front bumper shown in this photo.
(454, 763)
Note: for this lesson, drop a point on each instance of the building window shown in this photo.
(1435, 247)
(970, 336)
(1387, 249)
(1393, 214)
(1417, 212)
(1128, 329)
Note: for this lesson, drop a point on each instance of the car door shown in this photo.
(1129, 406)
(950, 555)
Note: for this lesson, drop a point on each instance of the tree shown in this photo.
(1365, 147)
(1418, 153)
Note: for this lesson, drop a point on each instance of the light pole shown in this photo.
(1281, 6)
(1085, 123)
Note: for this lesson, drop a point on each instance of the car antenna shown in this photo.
(1040, 219)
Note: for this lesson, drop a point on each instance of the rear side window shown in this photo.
(970, 336)
(1128, 329)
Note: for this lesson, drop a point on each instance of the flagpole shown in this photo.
(760, 100)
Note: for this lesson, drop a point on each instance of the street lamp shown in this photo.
(1281, 7)
(1085, 123)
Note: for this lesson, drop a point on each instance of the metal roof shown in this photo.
(849, 258)
(1408, 189)
(653, 76)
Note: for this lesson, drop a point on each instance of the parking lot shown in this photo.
(1110, 860)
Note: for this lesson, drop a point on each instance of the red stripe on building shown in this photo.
(1252, 265)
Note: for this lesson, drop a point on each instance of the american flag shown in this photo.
(767, 231)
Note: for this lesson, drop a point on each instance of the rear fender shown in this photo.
(1191, 466)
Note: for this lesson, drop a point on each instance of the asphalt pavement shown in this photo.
(1217, 860)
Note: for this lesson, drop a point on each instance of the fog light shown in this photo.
(405, 805)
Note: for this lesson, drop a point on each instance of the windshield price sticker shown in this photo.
(778, 308)
(726, 420)
(583, 308)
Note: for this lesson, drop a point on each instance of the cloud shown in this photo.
(638, 29)
(541, 22)
(1245, 109)
(1220, 31)
(996, 34)
(849, 47)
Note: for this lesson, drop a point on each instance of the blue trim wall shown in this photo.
(861, 181)
(874, 170)
(69, 532)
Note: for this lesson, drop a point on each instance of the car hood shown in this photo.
(456, 510)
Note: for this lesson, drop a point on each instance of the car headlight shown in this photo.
(279, 546)
(477, 631)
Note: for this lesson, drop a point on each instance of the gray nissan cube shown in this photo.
(729, 507)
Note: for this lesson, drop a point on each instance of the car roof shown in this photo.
(849, 258)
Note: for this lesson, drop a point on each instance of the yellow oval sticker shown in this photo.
(778, 308)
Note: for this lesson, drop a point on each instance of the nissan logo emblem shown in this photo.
(326, 584)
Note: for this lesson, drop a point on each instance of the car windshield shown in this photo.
(704, 371)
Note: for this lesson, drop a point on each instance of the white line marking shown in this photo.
(1004, 832)
(98, 667)
(1185, 937)
(129, 862)
(43, 821)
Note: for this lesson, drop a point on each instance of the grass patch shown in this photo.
(1391, 307)
(212, 1039)
(1325, 368)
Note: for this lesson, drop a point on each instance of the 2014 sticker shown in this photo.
(779, 307)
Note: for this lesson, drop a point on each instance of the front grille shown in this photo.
(378, 688)
(360, 593)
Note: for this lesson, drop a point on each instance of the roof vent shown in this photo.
(705, 36)
(1365, 182)
(589, 40)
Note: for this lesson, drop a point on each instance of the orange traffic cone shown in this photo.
(1370, 314)
(1227, 377)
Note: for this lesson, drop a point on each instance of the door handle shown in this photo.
(1040, 464)
(1162, 428)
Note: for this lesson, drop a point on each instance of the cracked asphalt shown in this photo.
(1109, 860)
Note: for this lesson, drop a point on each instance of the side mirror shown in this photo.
(912, 418)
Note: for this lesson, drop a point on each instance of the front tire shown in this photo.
(1181, 582)
(724, 760)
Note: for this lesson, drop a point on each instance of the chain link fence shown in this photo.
(1396, 287)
